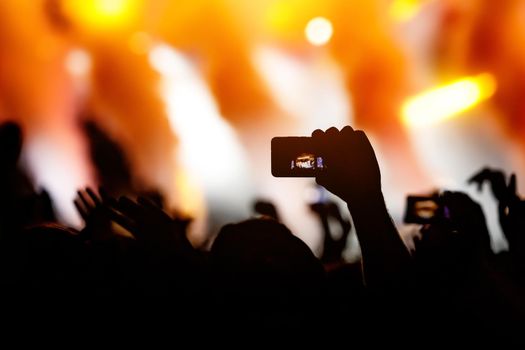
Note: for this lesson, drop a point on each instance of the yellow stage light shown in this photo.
(448, 101)
(102, 14)
(319, 31)
(280, 15)
(404, 10)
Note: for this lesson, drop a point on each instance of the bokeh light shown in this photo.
(404, 10)
(319, 31)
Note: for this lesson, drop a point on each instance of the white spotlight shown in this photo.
(319, 31)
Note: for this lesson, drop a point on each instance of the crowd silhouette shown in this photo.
(257, 273)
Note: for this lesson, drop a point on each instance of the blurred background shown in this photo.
(183, 97)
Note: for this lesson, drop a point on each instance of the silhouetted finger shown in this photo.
(318, 137)
(478, 181)
(96, 200)
(129, 208)
(106, 198)
(361, 141)
(103, 194)
(317, 133)
(332, 132)
(152, 208)
(473, 179)
(480, 176)
(147, 202)
(81, 210)
(125, 222)
(85, 201)
(347, 130)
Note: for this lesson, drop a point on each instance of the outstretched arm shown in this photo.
(352, 173)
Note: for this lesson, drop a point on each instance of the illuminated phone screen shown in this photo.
(295, 157)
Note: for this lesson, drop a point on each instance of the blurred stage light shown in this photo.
(57, 165)
(102, 14)
(448, 101)
(404, 10)
(312, 91)
(209, 149)
(164, 60)
(319, 31)
(279, 15)
(78, 63)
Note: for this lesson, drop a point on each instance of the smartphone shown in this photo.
(422, 209)
(295, 157)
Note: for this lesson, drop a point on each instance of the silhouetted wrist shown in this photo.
(365, 199)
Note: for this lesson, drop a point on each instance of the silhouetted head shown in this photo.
(262, 257)
(266, 273)
(53, 258)
(266, 208)
(10, 143)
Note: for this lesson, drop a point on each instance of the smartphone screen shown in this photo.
(295, 157)
(421, 210)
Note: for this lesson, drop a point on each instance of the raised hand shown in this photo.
(95, 212)
(150, 224)
(352, 171)
(496, 178)
(332, 248)
(510, 206)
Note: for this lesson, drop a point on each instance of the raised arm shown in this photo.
(352, 173)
